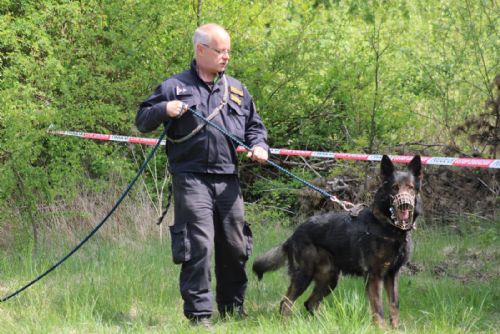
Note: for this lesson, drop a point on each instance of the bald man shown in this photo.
(209, 213)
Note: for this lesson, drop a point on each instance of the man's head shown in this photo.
(212, 46)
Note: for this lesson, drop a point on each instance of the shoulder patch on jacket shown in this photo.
(182, 90)
(236, 99)
(235, 90)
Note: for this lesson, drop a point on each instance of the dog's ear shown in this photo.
(386, 167)
(415, 166)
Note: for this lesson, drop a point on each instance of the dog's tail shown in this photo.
(272, 260)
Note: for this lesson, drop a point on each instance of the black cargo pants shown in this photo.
(209, 215)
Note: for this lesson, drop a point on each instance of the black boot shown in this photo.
(232, 310)
(202, 321)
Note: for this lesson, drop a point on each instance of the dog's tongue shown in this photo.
(403, 215)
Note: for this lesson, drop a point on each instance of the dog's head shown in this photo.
(398, 198)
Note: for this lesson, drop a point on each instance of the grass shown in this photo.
(128, 285)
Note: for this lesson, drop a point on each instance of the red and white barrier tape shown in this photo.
(443, 161)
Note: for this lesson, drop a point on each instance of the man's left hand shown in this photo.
(258, 154)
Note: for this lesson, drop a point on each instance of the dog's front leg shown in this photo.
(374, 290)
(391, 283)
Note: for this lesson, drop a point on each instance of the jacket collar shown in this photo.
(218, 83)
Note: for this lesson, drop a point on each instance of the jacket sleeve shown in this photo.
(255, 131)
(152, 112)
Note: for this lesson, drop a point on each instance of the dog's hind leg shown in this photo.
(391, 283)
(325, 276)
(299, 281)
(374, 290)
(325, 284)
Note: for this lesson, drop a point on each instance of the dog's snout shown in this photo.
(403, 206)
(404, 201)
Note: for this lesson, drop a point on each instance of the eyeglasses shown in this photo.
(219, 52)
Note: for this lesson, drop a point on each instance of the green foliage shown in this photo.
(73, 65)
(279, 193)
(326, 75)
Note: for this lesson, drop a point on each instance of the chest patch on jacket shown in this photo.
(236, 91)
(236, 99)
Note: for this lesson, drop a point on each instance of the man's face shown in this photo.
(214, 56)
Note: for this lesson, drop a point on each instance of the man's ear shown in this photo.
(199, 48)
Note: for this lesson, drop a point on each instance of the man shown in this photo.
(209, 212)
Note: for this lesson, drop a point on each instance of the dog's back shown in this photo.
(358, 245)
(298, 247)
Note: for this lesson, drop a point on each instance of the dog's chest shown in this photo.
(383, 254)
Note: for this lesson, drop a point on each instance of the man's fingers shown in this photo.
(183, 109)
(258, 154)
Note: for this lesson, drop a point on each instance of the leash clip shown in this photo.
(353, 209)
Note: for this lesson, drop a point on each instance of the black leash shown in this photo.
(169, 201)
(347, 206)
(353, 209)
(81, 243)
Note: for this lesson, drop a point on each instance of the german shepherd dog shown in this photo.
(374, 244)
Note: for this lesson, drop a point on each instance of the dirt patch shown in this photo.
(471, 265)
(411, 269)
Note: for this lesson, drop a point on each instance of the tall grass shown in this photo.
(127, 284)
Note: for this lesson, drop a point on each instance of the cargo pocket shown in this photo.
(247, 233)
(181, 247)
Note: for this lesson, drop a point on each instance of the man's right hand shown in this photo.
(176, 108)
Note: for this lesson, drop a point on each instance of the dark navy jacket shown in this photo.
(209, 151)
